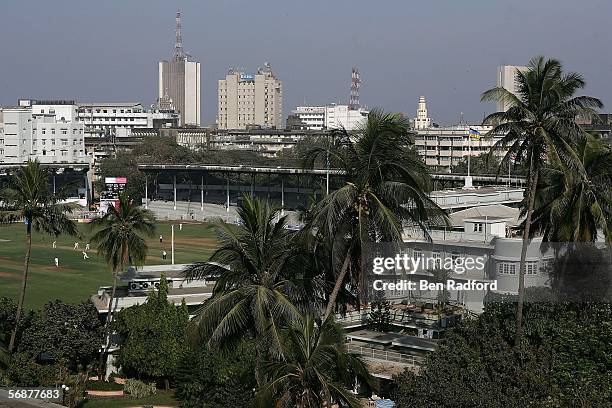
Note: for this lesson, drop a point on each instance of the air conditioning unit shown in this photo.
(144, 285)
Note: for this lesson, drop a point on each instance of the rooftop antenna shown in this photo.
(179, 54)
(355, 83)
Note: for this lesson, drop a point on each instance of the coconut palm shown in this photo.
(317, 369)
(539, 129)
(575, 207)
(120, 238)
(254, 270)
(29, 199)
(385, 185)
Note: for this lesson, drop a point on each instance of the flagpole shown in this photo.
(469, 151)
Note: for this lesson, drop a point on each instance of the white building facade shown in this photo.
(118, 119)
(313, 117)
(444, 147)
(35, 133)
(246, 99)
(331, 116)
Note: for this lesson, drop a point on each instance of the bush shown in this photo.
(103, 386)
(138, 389)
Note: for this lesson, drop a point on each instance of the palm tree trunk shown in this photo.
(24, 283)
(521, 289)
(331, 304)
(106, 346)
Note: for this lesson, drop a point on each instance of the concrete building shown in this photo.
(444, 147)
(247, 99)
(331, 116)
(179, 81)
(120, 119)
(35, 132)
(312, 117)
(422, 120)
(340, 116)
(506, 78)
(485, 232)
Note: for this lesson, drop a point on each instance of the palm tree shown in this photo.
(29, 199)
(386, 184)
(317, 369)
(120, 238)
(254, 270)
(573, 207)
(540, 128)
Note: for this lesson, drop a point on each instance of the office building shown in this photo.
(119, 119)
(311, 117)
(179, 81)
(444, 147)
(47, 133)
(506, 78)
(247, 99)
(422, 121)
(333, 116)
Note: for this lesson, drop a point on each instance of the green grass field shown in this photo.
(77, 279)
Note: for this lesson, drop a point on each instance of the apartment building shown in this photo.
(36, 133)
(247, 99)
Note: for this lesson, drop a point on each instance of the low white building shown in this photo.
(485, 232)
(118, 119)
(331, 116)
(444, 147)
(48, 133)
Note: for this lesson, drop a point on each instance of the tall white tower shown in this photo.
(179, 80)
(422, 121)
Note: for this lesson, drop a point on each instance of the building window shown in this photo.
(478, 227)
(506, 268)
(531, 268)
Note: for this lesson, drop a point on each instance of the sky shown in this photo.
(446, 50)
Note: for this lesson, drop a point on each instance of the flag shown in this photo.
(473, 133)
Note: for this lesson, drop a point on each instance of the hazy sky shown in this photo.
(447, 50)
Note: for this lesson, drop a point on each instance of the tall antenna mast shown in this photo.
(179, 54)
(355, 83)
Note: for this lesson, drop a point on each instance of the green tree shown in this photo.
(564, 360)
(120, 238)
(252, 268)
(28, 198)
(574, 206)
(316, 370)
(481, 164)
(386, 184)
(63, 332)
(379, 317)
(210, 379)
(153, 334)
(540, 128)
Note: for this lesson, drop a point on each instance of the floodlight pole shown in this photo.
(172, 243)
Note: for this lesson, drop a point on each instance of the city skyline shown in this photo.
(420, 50)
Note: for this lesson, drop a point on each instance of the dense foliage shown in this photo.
(209, 378)
(565, 360)
(63, 332)
(153, 336)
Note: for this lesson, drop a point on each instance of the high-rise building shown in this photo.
(250, 99)
(422, 121)
(506, 78)
(179, 81)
